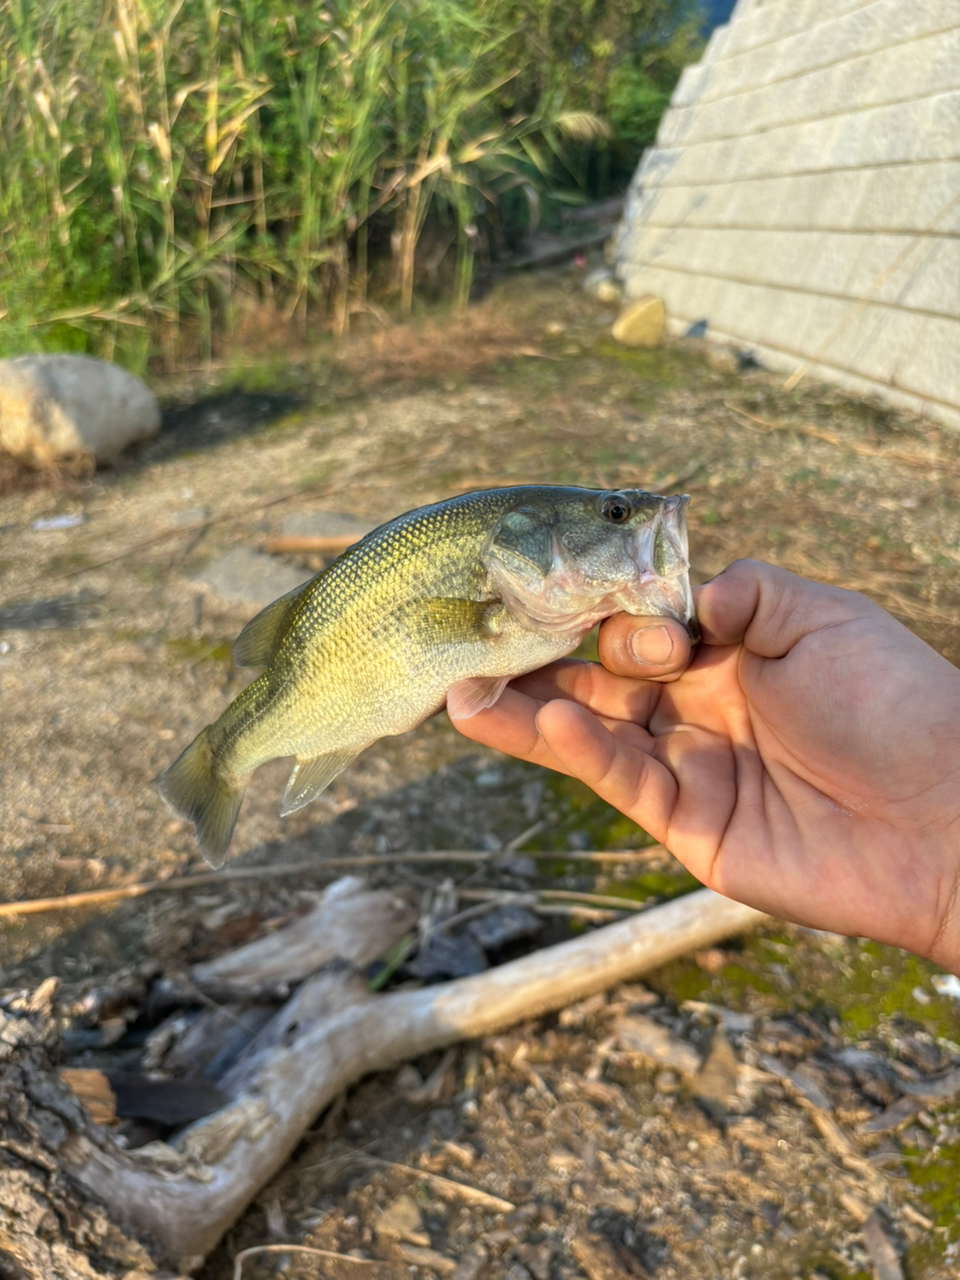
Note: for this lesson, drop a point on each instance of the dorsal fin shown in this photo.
(255, 645)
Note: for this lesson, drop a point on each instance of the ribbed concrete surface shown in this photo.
(804, 195)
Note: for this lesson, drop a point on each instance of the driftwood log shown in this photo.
(183, 1195)
(49, 1227)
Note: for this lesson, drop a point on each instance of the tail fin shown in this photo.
(193, 788)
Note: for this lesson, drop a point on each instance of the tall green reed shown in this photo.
(162, 165)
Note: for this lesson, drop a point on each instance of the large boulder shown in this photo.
(62, 406)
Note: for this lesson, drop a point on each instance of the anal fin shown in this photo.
(255, 645)
(310, 777)
(467, 697)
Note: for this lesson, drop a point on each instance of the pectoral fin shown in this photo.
(439, 620)
(310, 777)
(467, 697)
(257, 642)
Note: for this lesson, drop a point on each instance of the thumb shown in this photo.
(644, 648)
(770, 610)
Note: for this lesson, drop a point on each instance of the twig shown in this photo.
(472, 1195)
(298, 1248)
(536, 897)
(464, 917)
(97, 897)
(570, 911)
(290, 543)
(674, 478)
(512, 845)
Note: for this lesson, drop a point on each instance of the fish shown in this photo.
(442, 605)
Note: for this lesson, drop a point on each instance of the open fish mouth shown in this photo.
(566, 594)
(660, 550)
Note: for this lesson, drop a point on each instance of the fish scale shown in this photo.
(444, 603)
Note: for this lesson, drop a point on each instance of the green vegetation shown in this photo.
(617, 58)
(173, 174)
(576, 811)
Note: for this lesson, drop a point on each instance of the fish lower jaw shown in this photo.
(541, 615)
(573, 625)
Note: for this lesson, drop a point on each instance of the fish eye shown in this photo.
(615, 508)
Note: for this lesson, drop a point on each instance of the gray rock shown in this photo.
(248, 577)
(716, 1082)
(637, 1034)
(446, 957)
(503, 925)
(65, 406)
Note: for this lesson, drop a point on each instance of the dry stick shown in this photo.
(97, 897)
(570, 911)
(531, 898)
(311, 1250)
(292, 543)
(187, 1196)
(462, 1190)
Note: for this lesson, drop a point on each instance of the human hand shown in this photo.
(806, 761)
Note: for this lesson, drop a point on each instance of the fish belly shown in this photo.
(348, 701)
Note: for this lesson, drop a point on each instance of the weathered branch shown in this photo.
(334, 1031)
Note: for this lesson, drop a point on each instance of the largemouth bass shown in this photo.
(446, 603)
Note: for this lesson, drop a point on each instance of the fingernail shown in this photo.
(652, 646)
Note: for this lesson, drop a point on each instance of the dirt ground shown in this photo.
(112, 656)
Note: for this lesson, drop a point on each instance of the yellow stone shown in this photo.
(642, 323)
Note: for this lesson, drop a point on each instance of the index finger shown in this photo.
(510, 724)
(592, 686)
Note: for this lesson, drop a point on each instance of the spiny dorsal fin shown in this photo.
(310, 777)
(255, 645)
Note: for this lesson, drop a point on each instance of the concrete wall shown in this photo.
(803, 195)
